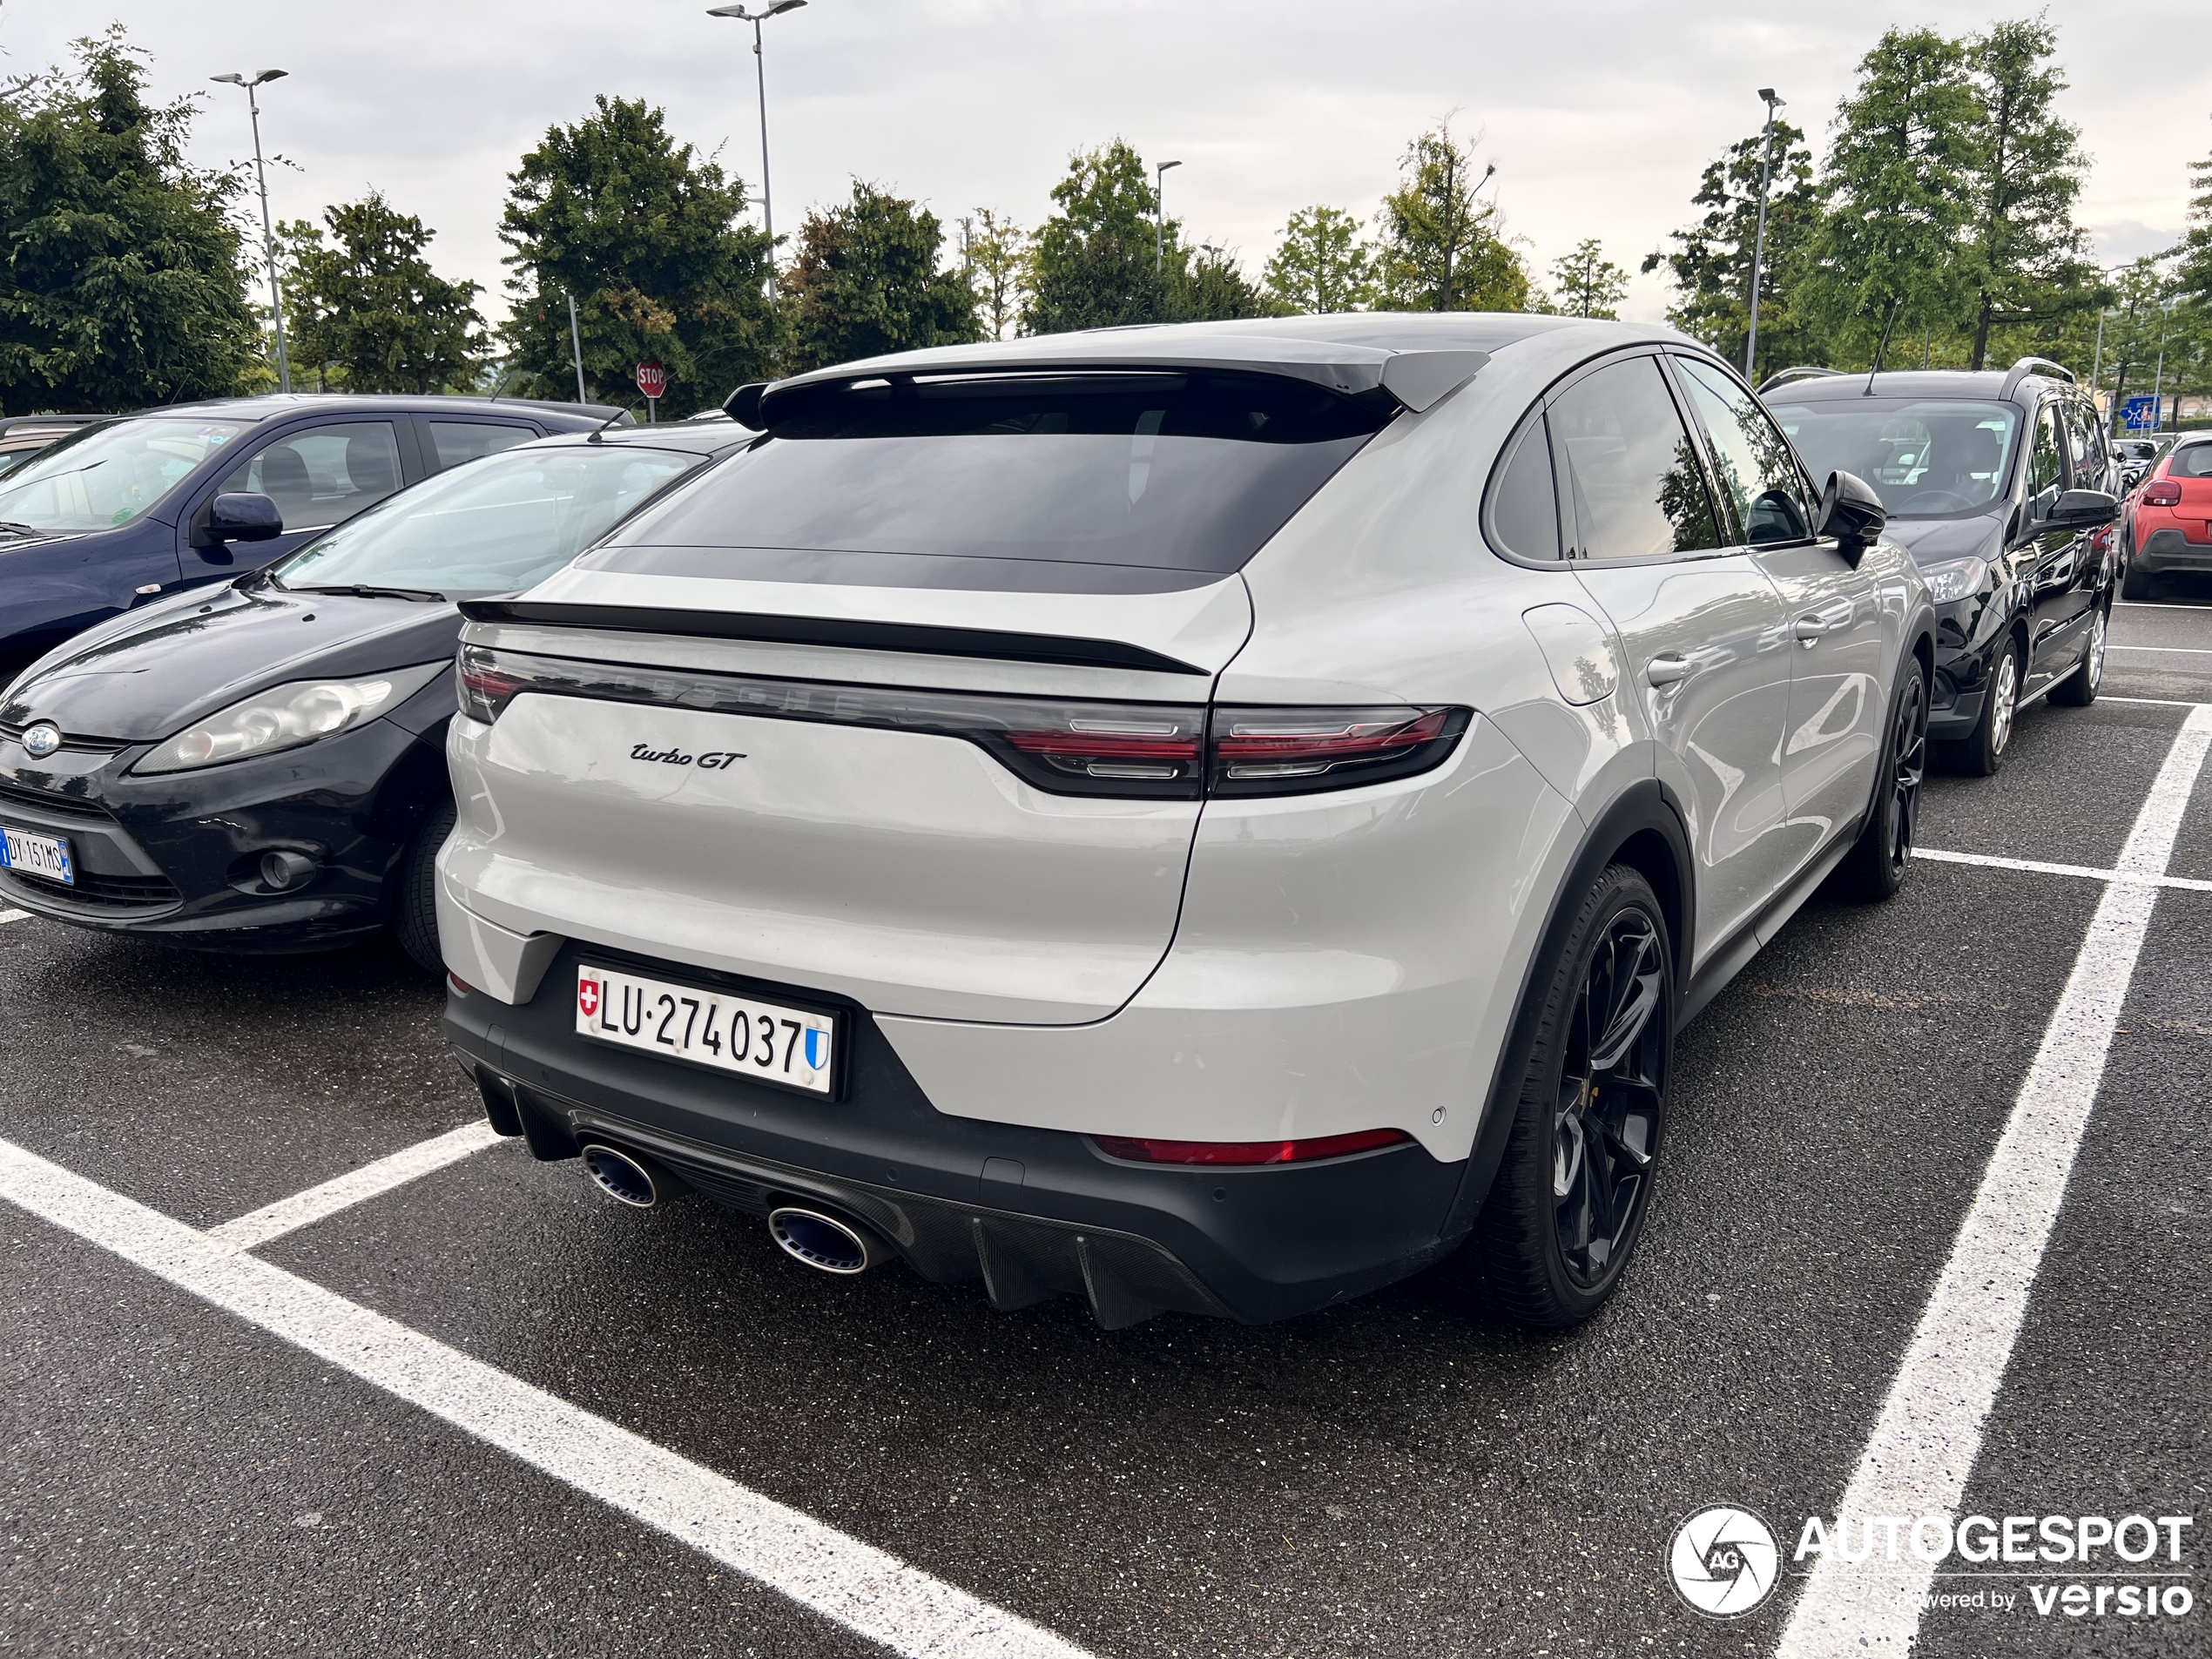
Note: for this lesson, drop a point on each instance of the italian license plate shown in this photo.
(46, 855)
(761, 1040)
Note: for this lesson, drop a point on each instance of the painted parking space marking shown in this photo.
(2037, 867)
(14, 915)
(2169, 651)
(256, 1228)
(2161, 702)
(868, 1592)
(1928, 1435)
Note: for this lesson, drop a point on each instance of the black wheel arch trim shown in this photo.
(1645, 823)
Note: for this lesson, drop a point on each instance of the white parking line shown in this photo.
(14, 915)
(872, 1594)
(2176, 651)
(2161, 702)
(2034, 866)
(256, 1228)
(1929, 1434)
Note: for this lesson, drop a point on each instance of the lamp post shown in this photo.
(2158, 383)
(1758, 245)
(760, 79)
(268, 234)
(1160, 216)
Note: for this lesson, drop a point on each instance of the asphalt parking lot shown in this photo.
(479, 1410)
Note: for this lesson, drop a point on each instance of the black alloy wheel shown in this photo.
(1981, 752)
(1568, 1205)
(2079, 688)
(1882, 857)
(1611, 1099)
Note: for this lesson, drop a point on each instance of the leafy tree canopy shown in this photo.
(2194, 273)
(1441, 249)
(120, 282)
(866, 282)
(1587, 283)
(994, 256)
(1320, 265)
(1093, 261)
(368, 313)
(646, 237)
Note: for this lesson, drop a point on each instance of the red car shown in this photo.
(2169, 517)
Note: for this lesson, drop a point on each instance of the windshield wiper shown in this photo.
(11, 525)
(362, 591)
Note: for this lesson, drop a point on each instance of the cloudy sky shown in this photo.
(1600, 114)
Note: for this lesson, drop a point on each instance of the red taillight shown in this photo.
(484, 689)
(1134, 750)
(2161, 492)
(1139, 1149)
(1277, 751)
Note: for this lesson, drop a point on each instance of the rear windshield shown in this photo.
(1128, 481)
(1926, 457)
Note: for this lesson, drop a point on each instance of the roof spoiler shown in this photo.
(2027, 365)
(1419, 379)
(1782, 377)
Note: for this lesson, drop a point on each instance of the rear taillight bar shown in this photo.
(1140, 1149)
(2161, 492)
(1155, 751)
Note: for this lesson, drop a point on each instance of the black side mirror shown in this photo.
(240, 518)
(2081, 509)
(1853, 513)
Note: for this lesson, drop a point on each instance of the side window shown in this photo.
(1757, 471)
(2088, 445)
(325, 474)
(459, 441)
(1524, 502)
(2046, 468)
(1637, 489)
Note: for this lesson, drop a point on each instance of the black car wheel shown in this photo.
(2134, 587)
(2079, 688)
(415, 906)
(1981, 753)
(1568, 1204)
(1882, 857)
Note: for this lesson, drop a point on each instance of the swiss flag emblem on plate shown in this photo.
(587, 996)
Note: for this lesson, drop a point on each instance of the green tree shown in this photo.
(2140, 324)
(2194, 273)
(646, 237)
(995, 255)
(1889, 254)
(1710, 265)
(1441, 249)
(120, 280)
(367, 305)
(866, 282)
(1208, 285)
(1587, 284)
(2029, 256)
(1094, 263)
(1320, 265)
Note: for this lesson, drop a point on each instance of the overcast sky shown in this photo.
(1600, 114)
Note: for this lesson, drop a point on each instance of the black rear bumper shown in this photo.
(1030, 1213)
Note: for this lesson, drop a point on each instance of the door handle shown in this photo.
(1665, 670)
(1813, 624)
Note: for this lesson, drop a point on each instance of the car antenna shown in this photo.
(605, 424)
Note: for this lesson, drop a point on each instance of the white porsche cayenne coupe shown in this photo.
(1215, 817)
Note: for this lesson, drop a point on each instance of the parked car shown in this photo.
(123, 512)
(23, 435)
(2166, 525)
(2002, 485)
(1216, 817)
(260, 765)
(2137, 457)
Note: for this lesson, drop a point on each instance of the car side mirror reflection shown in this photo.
(2082, 510)
(241, 519)
(1852, 515)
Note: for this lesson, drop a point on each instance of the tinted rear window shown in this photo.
(1137, 480)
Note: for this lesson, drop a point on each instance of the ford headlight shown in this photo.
(284, 717)
(1954, 578)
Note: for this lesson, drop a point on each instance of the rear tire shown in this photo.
(415, 906)
(1880, 860)
(1980, 754)
(2134, 586)
(2079, 688)
(1568, 1206)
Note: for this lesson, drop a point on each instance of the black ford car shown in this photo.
(2003, 487)
(260, 765)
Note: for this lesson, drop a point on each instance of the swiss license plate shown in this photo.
(46, 855)
(762, 1040)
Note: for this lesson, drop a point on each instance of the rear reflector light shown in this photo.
(1140, 1151)
(459, 984)
(1157, 751)
(2161, 492)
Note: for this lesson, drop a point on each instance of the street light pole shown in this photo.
(2158, 381)
(760, 82)
(1758, 245)
(1160, 216)
(268, 234)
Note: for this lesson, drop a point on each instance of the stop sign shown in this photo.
(652, 378)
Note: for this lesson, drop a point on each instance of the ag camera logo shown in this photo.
(1724, 1561)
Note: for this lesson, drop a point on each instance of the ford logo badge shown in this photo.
(42, 740)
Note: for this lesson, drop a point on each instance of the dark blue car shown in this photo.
(122, 512)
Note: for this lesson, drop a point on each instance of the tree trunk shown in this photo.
(1981, 335)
